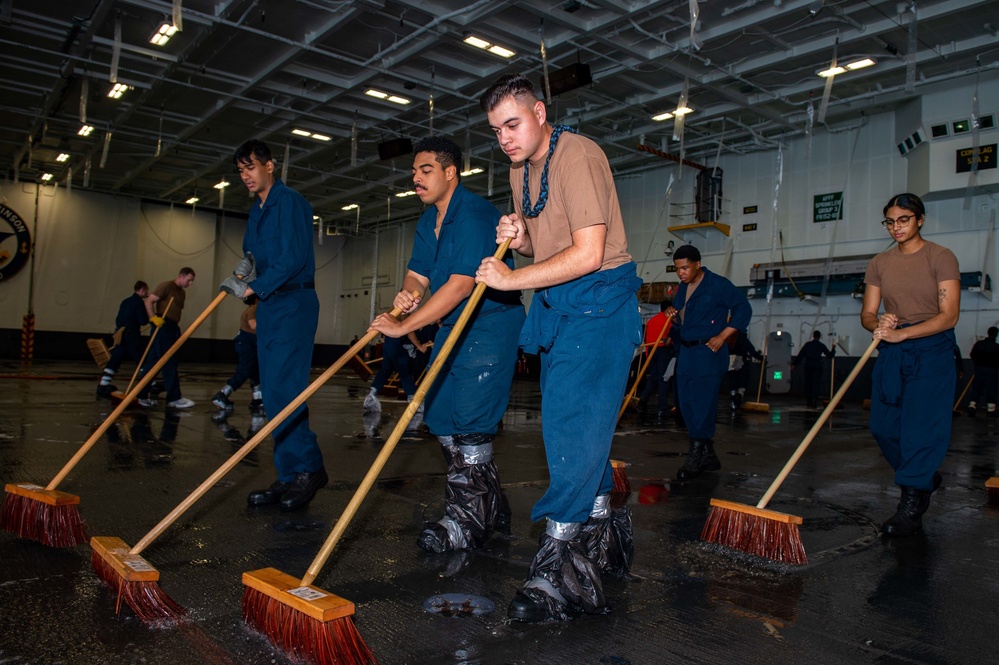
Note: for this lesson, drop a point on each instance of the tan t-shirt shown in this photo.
(249, 314)
(909, 283)
(581, 193)
(164, 292)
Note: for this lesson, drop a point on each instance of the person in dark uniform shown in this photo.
(655, 383)
(741, 352)
(280, 265)
(396, 359)
(811, 353)
(469, 397)
(920, 284)
(131, 317)
(247, 365)
(985, 356)
(709, 309)
(167, 319)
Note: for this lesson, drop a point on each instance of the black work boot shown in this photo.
(563, 581)
(701, 458)
(608, 537)
(908, 518)
(473, 500)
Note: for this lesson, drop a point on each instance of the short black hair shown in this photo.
(185, 271)
(664, 305)
(688, 252)
(245, 152)
(993, 331)
(445, 150)
(515, 85)
(909, 202)
(140, 285)
(816, 335)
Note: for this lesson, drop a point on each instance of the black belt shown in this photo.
(295, 287)
(693, 342)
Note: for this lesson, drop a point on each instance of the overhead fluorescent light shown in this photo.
(163, 34)
(474, 171)
(403, 195)
(311, 135)
(683, 110)
(832, 71)
(46, 177)
(495, 49)
(395, 99)
(663, 116)
(222, 184)
(850, 66)
(63, 157)
(86, 130)
(322, 137)
(191, 201)
(860, 64)
(301, 132)
(371, 92)
(352, 206)
(118, 90)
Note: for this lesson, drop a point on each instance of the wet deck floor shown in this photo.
(928, 599)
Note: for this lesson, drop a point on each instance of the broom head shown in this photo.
(305, 621)
(99, 350)
(117, 397)
(621, 483)
(48, 516)
(758, 532)
(135, 579)
(992, 489)
(756, 407)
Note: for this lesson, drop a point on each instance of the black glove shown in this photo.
(246, 268)
(233, 286)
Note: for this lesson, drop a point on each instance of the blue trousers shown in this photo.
(286, 332)
(654, 378)
(984, 384)
(699, 374)
(169, 333)
(395, 359)
(247, 366)
(471, 393)
(131, 347)
(584, 374)
(910, 416)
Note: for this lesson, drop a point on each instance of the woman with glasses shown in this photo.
(919, 283)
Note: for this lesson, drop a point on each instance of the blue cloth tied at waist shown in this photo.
(901, 358)
(599, 295)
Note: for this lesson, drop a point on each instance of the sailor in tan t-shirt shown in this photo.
(168, 322)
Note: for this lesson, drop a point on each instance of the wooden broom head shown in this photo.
(131, 567)
(756, 407)
(39, 493)
(309, 600)
(99, 351)
(759, 512)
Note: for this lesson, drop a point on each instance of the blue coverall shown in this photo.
(131, 316)
(395, 359)
(471, 393)
(279, 235)
(586, 332)
(247, 365)
(699, 370)
(910, 416)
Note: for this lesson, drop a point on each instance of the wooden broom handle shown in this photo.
(763, 367)
(963, 393)
(127, 399)
(817, 426)
(645, 366)
(145, 353)
(271, 425)
(400, 428)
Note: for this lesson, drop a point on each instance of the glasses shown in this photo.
(899, 223)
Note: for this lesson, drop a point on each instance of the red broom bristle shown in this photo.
(53, 526)
(755, 535)
(149, 602)
(336, 642)
(621, 483)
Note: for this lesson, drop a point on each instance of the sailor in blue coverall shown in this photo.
(278, 247)
(467, 401)
(131, 317)
(713, 311)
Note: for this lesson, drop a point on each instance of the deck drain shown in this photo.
(458, 605)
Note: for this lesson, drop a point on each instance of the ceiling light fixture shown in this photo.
(495, 49)
(395, 99)
(86, 130)
(63, 157)
(683, 110)
(311, 135)
(850, 66)
(118, 90)
(403, 195)
(163, 34)
(469, 172)
(191, 201)
(46, 177)
(222, 184)
(352, 206)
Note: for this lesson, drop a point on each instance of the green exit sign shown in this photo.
(778, 376)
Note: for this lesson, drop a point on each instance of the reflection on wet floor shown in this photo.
(859, 599)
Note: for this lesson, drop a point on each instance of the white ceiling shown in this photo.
(244, 69)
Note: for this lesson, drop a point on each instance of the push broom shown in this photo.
(135, 579)
(758, 406)
(302, 619)
(766, 533)
(117, 395)
(956, 410)
(51, 517)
